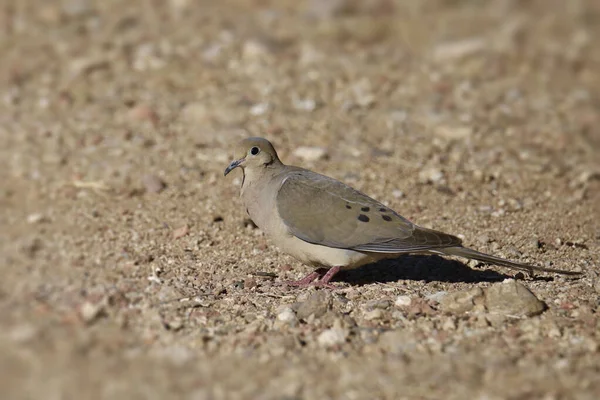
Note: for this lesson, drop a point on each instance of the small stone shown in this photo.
(454, 133)
(374, 314)
(449, 325)
(304, 104)
(86, 65)
(431, 175)
(153, 184)
(333, 336)
(381, 304)
(363, 94)
(180, 232)
(287, 315)
(316, 304)
(398, 194)
(512, 298)
(174, 324)
(483, 239)
(535, 244)
(310, 153)
(553, 331)
(90, 312)
(495, 320)
(36, 218)
(254, 50)
(458, 49)
(462, 301)
(437, 296)
(403, 301)
(259, 109)
(144, 112)
(399, 342)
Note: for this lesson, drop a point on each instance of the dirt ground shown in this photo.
(129, 267)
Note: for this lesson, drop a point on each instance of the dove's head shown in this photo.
(253, 153)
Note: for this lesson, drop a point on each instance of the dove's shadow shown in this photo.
(429, 268)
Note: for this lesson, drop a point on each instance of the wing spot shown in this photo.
(348, 206)
(386, 218)
(363, 218)
(365, 209)
(382, 209)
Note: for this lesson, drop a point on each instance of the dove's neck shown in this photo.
(259, 191)
(255, 177)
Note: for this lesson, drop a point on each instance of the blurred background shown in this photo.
(480, 118)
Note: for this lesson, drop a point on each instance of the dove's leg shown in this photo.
(322, 273)
(307, 280)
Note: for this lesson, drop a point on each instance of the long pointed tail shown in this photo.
(475, 255)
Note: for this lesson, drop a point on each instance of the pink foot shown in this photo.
(309, 280)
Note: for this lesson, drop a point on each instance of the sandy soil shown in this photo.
(129, 268)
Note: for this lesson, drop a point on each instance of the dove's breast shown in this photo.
(262, 209)
(260, 202)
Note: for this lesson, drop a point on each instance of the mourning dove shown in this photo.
(326, 224)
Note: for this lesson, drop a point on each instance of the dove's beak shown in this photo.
(234, 165)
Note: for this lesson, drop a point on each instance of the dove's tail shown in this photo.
(475, 255)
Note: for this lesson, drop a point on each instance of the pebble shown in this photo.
(180, 232)
(398, 194)
(403, 301)
(90, 312)
(512, 298)
(462, 301)
(399, 342)
(287, 315)
(86, 65)
(259, 109)
(378, 304)
(363, 93)
(316, 304)
(333, 336)
(449, 325)
(437, 296)
(431, 175)
(483, 239)
(458, 49)
(304, 104)
(36, 218)
(143, 112)
(454, 133)
(310, 153)
(253, 50)
(373, 314)
(153, 184)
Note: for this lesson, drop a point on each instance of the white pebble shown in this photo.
(305, 104)
(374, 314)
(259, 109)
(332, 337)
(398, 194)
(403, 301)
(35, 218)
(89, 311)
(287, 315)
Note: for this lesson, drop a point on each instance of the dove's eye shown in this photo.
(254, 151)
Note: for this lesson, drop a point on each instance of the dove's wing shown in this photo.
(321, 210)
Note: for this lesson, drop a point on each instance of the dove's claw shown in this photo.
(309, 280)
